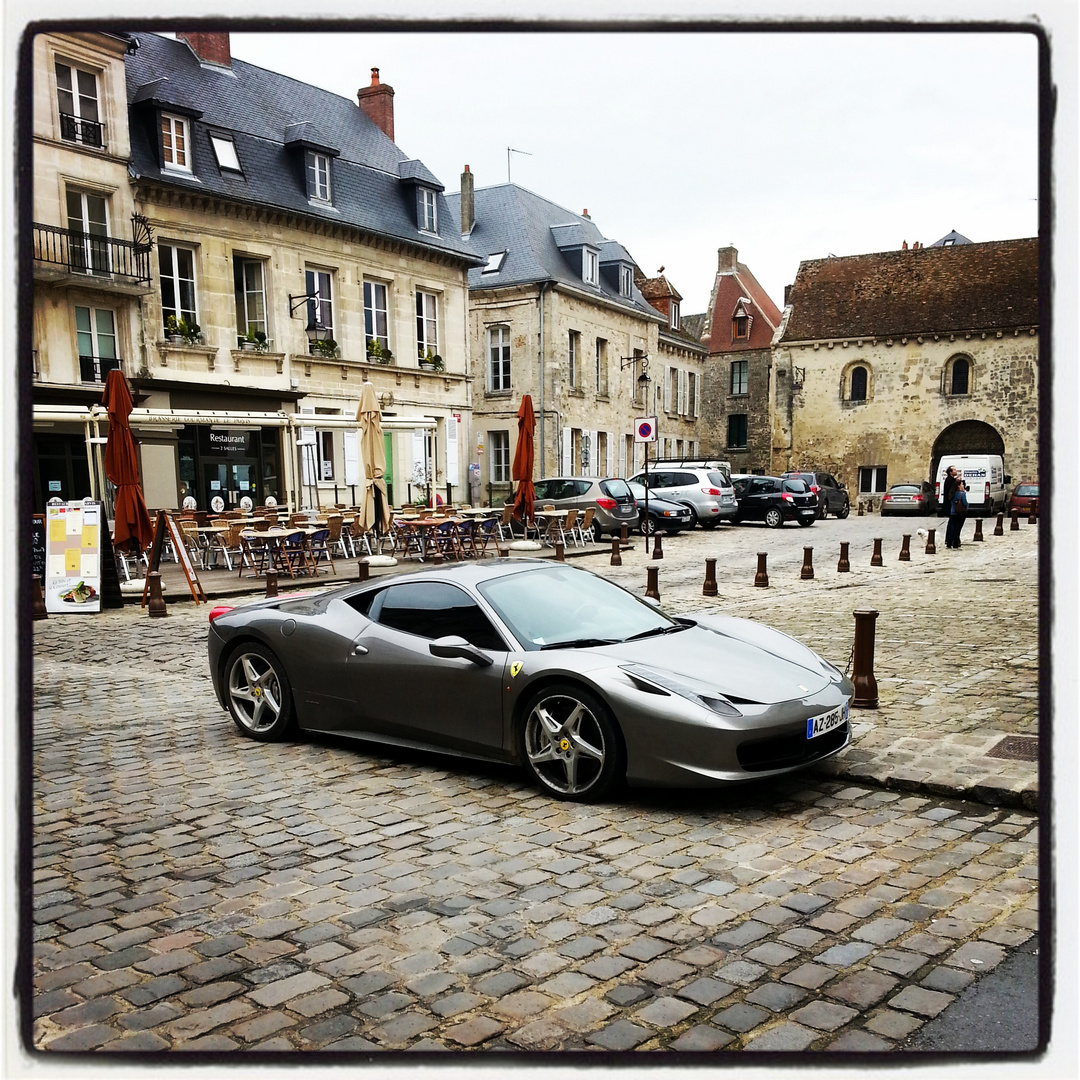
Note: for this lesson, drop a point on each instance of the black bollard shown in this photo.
(652, 588)
(624, 536)
(905, 549)
(843, 566)
(1015, 526)
(978, 530)
(761, 578)
(875, 559)
(657, 546)
(271, 583)
(999, 529)
(807, 571)
(931, 546)
(560, 552)
(156, 606)
(39, 600)
(1033, 513)
(616, 558)
(862, 672)
(363, 570)
(860, 510)
(709, 588)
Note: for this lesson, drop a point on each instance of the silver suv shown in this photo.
(612, 501)
(708, 492)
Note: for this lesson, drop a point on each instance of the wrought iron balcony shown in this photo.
(94, 369)
(103, 257)
(87, 132)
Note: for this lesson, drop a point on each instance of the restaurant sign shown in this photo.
(230, 442)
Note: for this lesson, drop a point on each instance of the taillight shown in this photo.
(606, 504)
(886, 498)
(814, 488)
(787, 498)
(914, 498)
(220, 610)
(711, 491)
(986, 497)
(937, 490)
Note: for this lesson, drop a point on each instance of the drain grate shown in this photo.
(1017, 748)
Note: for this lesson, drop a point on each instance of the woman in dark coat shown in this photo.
(958, 509)
(948, 489)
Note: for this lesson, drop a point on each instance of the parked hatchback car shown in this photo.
(1022, 496)
(909, 498)
(664, 515)
(831, 494)
(707, 492)
(774, 500)
(612, 501)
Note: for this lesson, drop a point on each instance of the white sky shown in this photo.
(789, 146)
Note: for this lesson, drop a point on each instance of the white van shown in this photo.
(984, 476)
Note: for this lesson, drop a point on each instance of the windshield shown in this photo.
(905, 489)
(798, 487)
(561, 605)
(616, 489)
(1027, 489)
(719, 478)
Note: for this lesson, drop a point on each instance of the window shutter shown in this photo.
(566, 463)
(622, 456)
(697, 393)
(610, 463)
(419, 472)
(352, 458)
(307, 453)
(667, 389)
(452, 450)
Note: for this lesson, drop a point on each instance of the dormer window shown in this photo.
(626, 281)
(225, 152)
(318, 176)
(77, 101)
(494, 262)
(741, 327)
(429, 220)
(175, 148)
(674, 315)
(590, 267)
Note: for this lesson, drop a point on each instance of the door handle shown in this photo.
(359, 650)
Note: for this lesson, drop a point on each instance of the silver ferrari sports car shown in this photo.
(533, 662)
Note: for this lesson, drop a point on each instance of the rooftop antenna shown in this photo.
(510, 150)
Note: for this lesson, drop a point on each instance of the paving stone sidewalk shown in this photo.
(194, 890)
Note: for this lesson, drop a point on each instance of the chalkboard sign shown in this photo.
(37, 545)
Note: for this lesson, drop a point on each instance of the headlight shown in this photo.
(652, 681)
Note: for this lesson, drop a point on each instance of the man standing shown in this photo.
(948, 489)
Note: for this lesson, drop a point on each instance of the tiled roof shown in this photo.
(693, 325)
(264, 111)
(535, 233)
(928, 290)
(740, 289)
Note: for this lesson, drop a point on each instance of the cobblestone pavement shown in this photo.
(195, 890)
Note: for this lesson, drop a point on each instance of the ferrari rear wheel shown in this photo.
(571, 745)
(258, 693)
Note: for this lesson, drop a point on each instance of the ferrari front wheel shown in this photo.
(570, 743)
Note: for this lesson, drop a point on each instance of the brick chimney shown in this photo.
(210, 48)
(727, 260)
(468, 206)
(377, 101)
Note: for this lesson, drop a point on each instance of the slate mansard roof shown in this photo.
(272, 118)
(948, 289)
(537, 235)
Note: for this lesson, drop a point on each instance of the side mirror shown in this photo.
(457, 648)
(651, 601)
(842, 487)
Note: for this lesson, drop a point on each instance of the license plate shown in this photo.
(818, 725)
(807, 511)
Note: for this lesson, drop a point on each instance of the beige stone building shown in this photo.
(554, 313)
(297, 252)
(885, 362)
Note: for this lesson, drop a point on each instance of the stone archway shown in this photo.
(966, 437)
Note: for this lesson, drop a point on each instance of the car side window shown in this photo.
(581, 487)
(686, 479)
(432, 609)
(760, 487)
(661, 480)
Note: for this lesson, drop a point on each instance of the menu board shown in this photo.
(73, 557)
(37, 546)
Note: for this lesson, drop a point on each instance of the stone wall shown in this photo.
(718, 403)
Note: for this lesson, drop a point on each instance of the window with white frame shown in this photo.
(318, 284)
(499, 443)
(176, 266)
(626, 281)
(376, 315)
(498, 358)
(427, 324)
(674, 315)
(88, 222)
(225, 152)
(318, 176)
(429, 219)
(494, 262)
(739, 375)
(872, 479)
(77, 103)
(601, 368)
(573, 354)
(590, 266)
(175, 151)
(324, 448)
(249, 283)
(95, 336)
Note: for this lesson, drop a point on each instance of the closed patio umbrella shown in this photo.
(132, 528)
(374, 505)
(525, 495)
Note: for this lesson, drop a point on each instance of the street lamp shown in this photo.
(315, 330)
(643, 379)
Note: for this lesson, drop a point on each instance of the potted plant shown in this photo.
(375, 350)
(437, 363)
(172, 330)
(328, 348)
(427, 361)
(387, 356)
(255, 341)
(189, 331)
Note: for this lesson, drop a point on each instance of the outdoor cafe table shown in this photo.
(549, 517)
(479, 512)
(273, 539)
